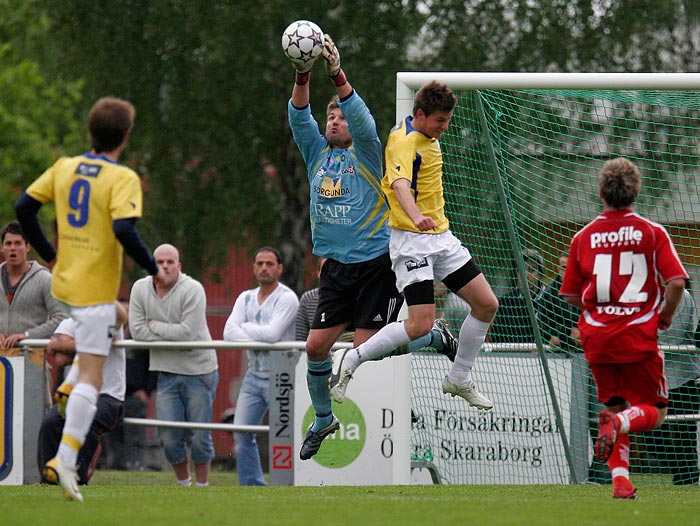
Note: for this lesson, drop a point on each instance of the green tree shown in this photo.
(560, 35)
(211, 84)
(37, 115)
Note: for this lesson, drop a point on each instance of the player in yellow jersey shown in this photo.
(97, 203)
(423, 250)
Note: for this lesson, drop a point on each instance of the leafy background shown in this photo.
(210, 85)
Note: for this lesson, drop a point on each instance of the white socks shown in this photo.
(471, 337)
(80, 410)
(386, 339)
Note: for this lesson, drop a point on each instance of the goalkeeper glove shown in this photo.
(331, 55)
(60, 398)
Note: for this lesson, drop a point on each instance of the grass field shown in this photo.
(152, 499)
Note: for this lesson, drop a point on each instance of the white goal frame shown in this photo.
(408, 82)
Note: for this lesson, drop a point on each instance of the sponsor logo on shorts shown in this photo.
(412, 264)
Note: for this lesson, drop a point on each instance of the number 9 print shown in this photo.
(79, 201)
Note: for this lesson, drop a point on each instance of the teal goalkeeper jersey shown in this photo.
(348, 209)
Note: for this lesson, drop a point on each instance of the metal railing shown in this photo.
(285, 346)
(214, 344)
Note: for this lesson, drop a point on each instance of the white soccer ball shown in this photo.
(302, 41)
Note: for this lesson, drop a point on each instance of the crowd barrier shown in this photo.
(23, 382)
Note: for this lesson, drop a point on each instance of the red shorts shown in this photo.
(637, 382)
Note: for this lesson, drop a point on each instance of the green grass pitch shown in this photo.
(152, 499)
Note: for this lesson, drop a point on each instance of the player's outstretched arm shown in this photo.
(300, 91)
(331, 55)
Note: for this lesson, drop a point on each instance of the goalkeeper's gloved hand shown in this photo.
(331, 55)
(60, 397)
(302, 66)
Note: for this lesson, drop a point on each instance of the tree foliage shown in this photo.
(210, 84)
(37, 116)
(560, 35)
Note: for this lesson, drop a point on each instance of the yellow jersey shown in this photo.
(89, 192)
(410, 154)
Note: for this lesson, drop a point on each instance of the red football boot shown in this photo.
(608, 429)
(623, 489)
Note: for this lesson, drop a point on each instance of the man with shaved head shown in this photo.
(174, 309)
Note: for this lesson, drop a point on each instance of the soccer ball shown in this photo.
(302, 41)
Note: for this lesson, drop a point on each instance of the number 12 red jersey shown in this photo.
(618, 265)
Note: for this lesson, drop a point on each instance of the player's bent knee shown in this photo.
(415, 328)
(486, 311)
(316, 349)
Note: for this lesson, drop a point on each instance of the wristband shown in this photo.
(302, 78)
(339, 78)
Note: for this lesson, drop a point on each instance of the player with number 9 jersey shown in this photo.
(97, 202)
(90, 192)
(618, 265)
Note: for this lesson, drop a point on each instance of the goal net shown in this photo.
(522, 157)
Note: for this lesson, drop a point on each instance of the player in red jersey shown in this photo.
(618, 266)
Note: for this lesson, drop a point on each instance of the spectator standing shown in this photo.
(174, 309)
(266, 314)
(618, 267)
(97, 203)
(27, 308)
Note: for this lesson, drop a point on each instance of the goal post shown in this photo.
(521, 161)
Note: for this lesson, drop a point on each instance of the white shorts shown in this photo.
(94, 328)
(417, 257)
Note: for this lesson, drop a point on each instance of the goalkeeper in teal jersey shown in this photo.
(349, 213)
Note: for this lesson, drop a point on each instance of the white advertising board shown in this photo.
(372, 445)
(517, 442)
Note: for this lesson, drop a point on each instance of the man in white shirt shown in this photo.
(263, 314)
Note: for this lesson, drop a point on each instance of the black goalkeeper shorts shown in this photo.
(363, 294)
